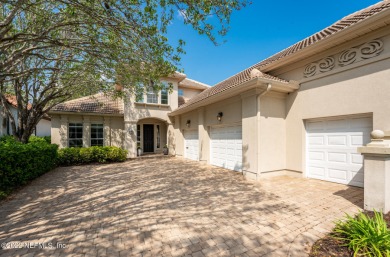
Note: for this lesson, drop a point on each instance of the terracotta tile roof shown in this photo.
(11, 99)
(244, 75)
(193, 84)
(227, 84)
(102, 103)
(181, 100)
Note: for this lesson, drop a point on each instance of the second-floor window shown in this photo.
(164, 95)
(151, 96)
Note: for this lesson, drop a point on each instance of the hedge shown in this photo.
(101, 154)
(20, 163)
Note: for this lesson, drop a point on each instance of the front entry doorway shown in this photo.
(148, 138)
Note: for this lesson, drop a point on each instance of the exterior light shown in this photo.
(188, 123)
(219, 116)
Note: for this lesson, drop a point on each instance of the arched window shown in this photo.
(151, 96)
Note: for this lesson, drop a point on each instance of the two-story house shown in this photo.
(304, 110)
(133, 121)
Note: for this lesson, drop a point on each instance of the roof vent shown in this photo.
(255, 73)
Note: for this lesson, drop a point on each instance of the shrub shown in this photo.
(20, 163)
(35, 139)
(7, 140)
(101, 154)
(365, 235)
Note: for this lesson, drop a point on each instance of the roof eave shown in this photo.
(85, 113)
(336, 39)
(259, 82)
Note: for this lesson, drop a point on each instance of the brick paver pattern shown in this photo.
(170, 207)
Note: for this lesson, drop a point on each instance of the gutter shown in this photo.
(234, 91)
(266, 91)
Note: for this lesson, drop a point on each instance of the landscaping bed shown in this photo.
(330, 246)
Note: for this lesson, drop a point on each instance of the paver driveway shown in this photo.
(170, 207)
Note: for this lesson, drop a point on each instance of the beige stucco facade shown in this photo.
(113, 127)
(128, 129)
(273, 122)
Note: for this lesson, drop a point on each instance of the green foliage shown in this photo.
(101, 154)
(20, 163)
(364, 235)
(35, 139)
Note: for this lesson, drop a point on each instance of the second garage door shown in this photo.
(226, 147)
(332, 149)
(191, 145)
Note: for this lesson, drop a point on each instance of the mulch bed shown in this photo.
(331, 247)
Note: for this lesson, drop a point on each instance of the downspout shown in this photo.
(269, 86)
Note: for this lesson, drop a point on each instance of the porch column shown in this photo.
(107, 131)
(63, 131)
(86, 131)
(250, 133)
(178, 137)
(130, 136)
(377, 172)
(204, 139)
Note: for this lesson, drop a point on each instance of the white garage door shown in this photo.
(226, 147)
(332, 149)
(191, 145)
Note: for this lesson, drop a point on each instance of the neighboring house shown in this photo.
(304, 110)
(43, 127)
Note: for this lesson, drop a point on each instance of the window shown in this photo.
(138, 136)
(164, 93)
(75, 135)
(151, 96)
(181, 93)
(158, 136)
(97, 138)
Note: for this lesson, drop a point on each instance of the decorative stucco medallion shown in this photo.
(326, 64)
(355, 54)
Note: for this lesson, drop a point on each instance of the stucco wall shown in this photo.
(362, 87)
(272, 135)
(136, 111)
(43, 128)
(188, 93)
(112, 137)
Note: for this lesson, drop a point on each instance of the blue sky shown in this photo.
(257, 32)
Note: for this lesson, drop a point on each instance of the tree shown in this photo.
(51, 50)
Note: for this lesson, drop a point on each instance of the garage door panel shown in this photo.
(316, 155)
(338, 174)
(361, 123)
(315, 126)
(316, 172)
(356, 158)
(335, 125)
(337, 140)
(191, 145)
(336, 158)
(226, 147)
(316, 140)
